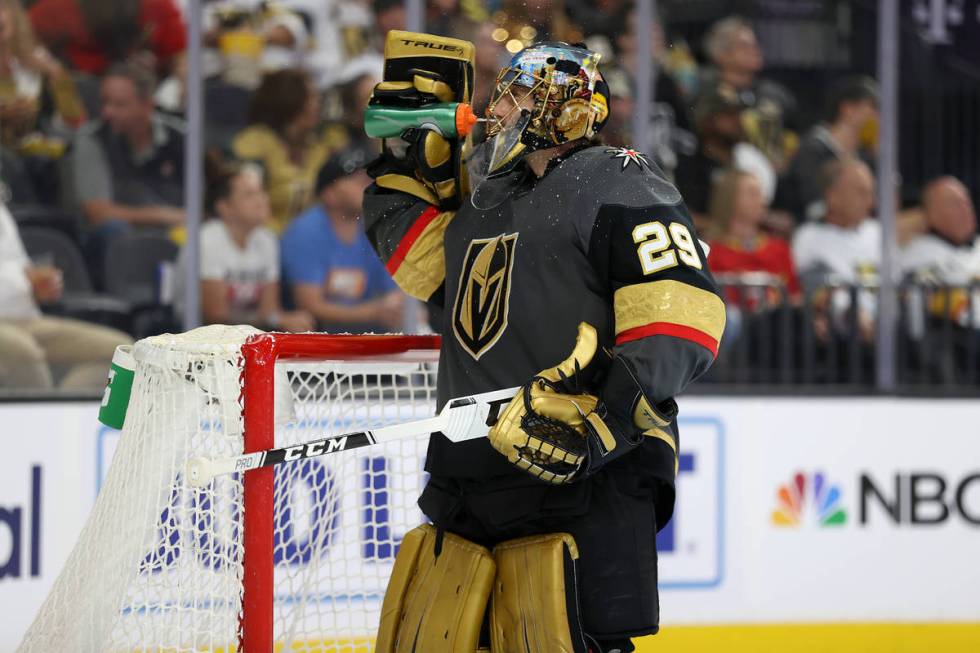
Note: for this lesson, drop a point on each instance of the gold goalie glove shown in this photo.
(554, 430)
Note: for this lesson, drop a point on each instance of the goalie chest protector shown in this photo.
(521, 276)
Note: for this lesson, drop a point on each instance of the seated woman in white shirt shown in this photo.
(240, 254)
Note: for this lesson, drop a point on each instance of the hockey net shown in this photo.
(294, 558)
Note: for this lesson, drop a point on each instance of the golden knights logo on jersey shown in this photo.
(483, 296)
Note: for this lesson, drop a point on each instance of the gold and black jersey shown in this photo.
(603, 238)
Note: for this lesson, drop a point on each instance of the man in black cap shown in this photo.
(328, 265)
(717, 121)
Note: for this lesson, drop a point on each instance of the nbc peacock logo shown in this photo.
(808, 498)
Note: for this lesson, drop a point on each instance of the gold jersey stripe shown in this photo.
(671, 302)
(418, 264)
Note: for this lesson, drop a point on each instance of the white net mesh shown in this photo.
(158, 566)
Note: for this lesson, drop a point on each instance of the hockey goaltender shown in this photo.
(535, 243)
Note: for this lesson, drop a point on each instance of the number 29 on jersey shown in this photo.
(660, 246)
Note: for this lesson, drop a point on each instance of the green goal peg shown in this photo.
(118, 387)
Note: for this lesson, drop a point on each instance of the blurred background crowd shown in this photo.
(765, 115)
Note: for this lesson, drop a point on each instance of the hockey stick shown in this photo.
(463, 418)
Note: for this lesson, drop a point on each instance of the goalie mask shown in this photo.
(549, 94)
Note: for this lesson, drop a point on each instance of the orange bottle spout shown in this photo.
(465, 119)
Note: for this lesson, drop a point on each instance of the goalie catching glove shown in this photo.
(557, 432)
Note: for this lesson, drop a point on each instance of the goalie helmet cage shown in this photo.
(291, 558)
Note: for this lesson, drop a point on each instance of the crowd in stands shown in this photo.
(92, 141)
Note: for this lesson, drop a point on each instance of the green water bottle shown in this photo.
(450, 119)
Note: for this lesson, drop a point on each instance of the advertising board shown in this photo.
(788, 510)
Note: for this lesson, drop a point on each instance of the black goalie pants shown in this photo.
(610, 515)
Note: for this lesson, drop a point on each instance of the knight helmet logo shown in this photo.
(483, 296)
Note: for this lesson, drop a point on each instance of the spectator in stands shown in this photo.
(128, 167)
(25, 67)
(738, 245)
(851, 115)
(239, 254)
(720, 146)
(36, 350)
(441, 16)
(93, 34)
(716, 119)
(327, 262)
(769, 108)
(283, 137)
(341, 34)
(618, 131)
(350, 100)
(388, 15)
(950, 251)
(949, 254)
(670, 123)
(845, 246)
(250, 38)
(31, 79)
(451, 17)
(946, 264)
(665, 89)
(845, 242)
(605, 17)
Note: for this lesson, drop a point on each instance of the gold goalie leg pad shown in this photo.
(435, 603)
(535, 601)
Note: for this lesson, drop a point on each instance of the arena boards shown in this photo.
(876, 553)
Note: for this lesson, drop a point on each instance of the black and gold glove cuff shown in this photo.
(624, 399)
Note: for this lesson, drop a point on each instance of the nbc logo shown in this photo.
(815, 494)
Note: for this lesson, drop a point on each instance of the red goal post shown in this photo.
(260, 354)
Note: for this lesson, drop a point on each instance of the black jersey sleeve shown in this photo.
(667, 312)
(669, 316)
(407, 234)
